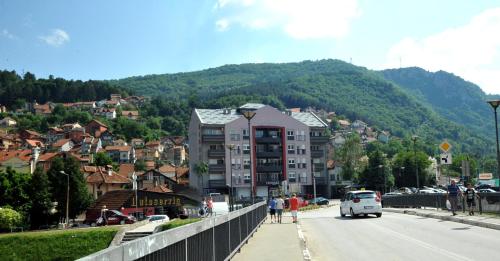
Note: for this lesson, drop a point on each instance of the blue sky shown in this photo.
(95, 39)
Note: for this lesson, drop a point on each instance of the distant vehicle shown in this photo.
(360, 202)
(392, 194)
(158, 218)
(110, 217)
(427, 191)
(405, 190)
(488, 190)
(319, 201)
(220, 208)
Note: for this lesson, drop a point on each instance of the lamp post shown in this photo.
(415, 138)
(314, 181)
(134, 187)
(380, 167)
(494, 104)
(67, 197)
(231, 203)
(249, 115)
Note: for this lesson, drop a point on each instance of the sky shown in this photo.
(113, 39)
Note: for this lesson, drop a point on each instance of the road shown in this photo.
(395, 237)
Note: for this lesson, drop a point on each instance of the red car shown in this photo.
(111, 217)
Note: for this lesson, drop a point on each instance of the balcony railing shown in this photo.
(266, 179)
(217, 183)
(217, 168)
(317, 153)
(269, 168)
(321, 181)
(213, 138)
(268, 139)
(319, 166)
(319, 139)
(269, 154)
(216, 153)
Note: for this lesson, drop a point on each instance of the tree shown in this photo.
(405, 162)
(79, 197)
(201, 169)
(9, 218)
(14, 190)
(102, 159)
(349, 155)
(40, 199)
(377, 172)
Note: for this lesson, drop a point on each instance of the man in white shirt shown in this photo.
(280, 204)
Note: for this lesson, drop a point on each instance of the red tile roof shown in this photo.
(130, 113)
(24, 155)
(126, 170)
(119, 148)
(60, 143)
(34, 143)
(101, 175)
(160, 189)
(48, 156)
(167, 168)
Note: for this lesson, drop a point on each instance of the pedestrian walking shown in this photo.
(210, 205)
(294, 207)
(280, 204)
(272, 209)
(470, 197)
(452, 195)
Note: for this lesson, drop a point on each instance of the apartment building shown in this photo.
(287, 148)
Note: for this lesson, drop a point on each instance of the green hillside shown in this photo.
(332, 85)
(450, 96)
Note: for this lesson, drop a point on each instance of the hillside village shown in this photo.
(24, 150)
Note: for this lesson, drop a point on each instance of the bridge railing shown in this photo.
(487, 202)
(214, 239)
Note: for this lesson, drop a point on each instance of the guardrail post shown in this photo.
(480, 205)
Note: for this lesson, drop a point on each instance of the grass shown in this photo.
(55, 245)
(178, 222)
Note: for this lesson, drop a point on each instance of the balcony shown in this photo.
(321, 181)
(213, 138)
(268, 179)
(217, 183)
(217, 168)
(317, 154)
(320, 139)
(216, 153)
(269, 168)
(269, 154)
(319, 166)
(273, 140)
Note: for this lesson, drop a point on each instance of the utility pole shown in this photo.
(67, 198)
(414, 138)
(314, 181)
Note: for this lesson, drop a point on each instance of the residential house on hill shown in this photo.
(63, 145)
(45, 160)
(19, 160)
(44, 109)
(359, 125)
(153, 178)
(137, 143)
(138, 101)
(384, 136)
(9, 142)
(121, 154)
(107, 138)
(344, 124)
(95, 128)
(30, 135)
(7, 122)
(90, 145)
(108, 113)
(54, 134)
(175, 149)
(31, 144)
(101, 180)
(126, 170)
(132, 115)
(120, 142)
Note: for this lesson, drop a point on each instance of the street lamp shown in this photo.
(249, 115)
(494, 104)
(67, 198)
(380, 167)
(414, 138)
(231, 203)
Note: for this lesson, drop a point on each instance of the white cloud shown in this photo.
(300, 19)
(56, 38)
(222, 25)
(470, 51)
(7, 34)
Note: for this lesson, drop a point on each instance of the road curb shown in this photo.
(446, 218)
(305, 251)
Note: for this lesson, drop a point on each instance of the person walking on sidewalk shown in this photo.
(210, 206)
(470, 196)
(280, 204)
(452, 196)
(272, 209)
(294, 207)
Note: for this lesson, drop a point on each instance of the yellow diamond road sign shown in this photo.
(445, 146)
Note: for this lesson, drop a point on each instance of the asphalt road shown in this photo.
(395, 237)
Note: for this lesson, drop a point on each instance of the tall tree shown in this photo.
(349, 155)
(40, 199)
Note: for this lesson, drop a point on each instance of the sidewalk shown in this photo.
(477, 220)
(273, 242)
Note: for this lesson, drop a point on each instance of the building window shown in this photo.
(259, 134)
(291, 149)
(246, 177)
(292, 176)
(212, 162)
(246, 163)
(246, 148)
(245, 134)
(303, 164)
(303, 177)
(301, 135)
(290, 135)
(236, 163)
(291, 163)
(315, 147)
(212, 132)
(316, 160)
(234, 135)
(301, 149)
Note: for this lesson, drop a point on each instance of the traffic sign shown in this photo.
(445, 146)
(446, 159)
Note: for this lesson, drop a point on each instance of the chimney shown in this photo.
(110, 172)
(36, 154)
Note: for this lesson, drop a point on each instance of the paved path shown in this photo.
(274, 242)
(395, 237)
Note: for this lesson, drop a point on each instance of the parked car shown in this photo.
(487, 190)
(110, 217)
(388, 194)
(360, 202)
(158, 218)
(319, 201)
(427, 191)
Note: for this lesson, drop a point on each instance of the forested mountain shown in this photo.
(16, 90)
(332, 85)
(450, 96)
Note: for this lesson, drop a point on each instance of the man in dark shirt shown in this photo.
(470, 196)
(453, 193)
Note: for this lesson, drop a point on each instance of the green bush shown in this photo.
(178, 222)
(55, 245)
(9, 218)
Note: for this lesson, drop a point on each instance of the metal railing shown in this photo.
(487, 202)
(213, 239)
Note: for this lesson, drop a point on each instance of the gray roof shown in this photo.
(217, 116)
(252, 106)
(308, 118)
